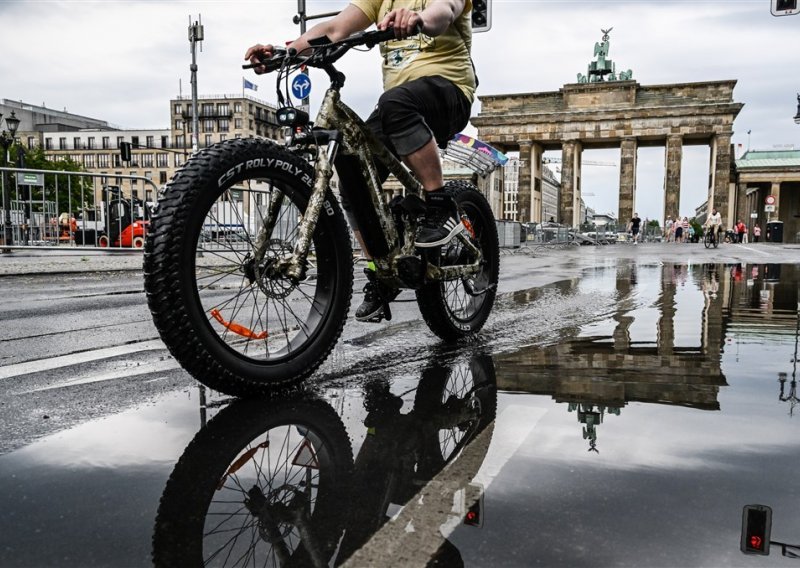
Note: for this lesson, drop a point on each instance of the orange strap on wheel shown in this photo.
(236, 328)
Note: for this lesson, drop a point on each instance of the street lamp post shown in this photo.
(6, 141)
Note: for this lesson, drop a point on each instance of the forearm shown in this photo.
(346, 23)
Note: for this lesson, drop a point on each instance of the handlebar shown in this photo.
(325, 52)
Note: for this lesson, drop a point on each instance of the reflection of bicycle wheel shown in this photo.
(461, 400)
(261, 485)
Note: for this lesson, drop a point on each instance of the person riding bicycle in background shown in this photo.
(714, 222)
(429, 85)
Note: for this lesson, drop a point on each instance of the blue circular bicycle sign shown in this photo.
(301, 86)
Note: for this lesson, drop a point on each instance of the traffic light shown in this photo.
(785, 7)
(125, 151)
(473, 499)
(482, 15)
(756, 528)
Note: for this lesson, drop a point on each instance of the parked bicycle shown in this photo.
(274, 483)
(248, 263)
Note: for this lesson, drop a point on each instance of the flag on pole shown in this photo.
(248, 85)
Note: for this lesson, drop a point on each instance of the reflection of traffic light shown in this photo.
(473, 499)
(482, 15)
(756, 528)
(473, 517)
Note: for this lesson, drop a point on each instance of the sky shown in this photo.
(122, 61)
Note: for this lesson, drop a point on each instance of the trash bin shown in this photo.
(775, 232)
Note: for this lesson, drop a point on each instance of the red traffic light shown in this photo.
(756, 528)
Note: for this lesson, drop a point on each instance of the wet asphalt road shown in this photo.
(95, 413)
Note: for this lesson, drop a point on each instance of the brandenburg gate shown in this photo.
(609, 110)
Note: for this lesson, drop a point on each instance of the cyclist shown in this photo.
(429, 85)
(714, 223)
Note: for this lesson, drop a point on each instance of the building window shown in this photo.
(76, 143)
(119, 179)
(147, 160)
(62, 143)
(120, 140)
(148, 175)
(134, 181)
(104, 178)
(208, 125)
(117, 161)
(162, 160)
(31, 140)
(237, 123)
(150, 142)
(102, 160)
(88, 160)
(165, 141)
(91, 145)
(178, 108)
(179, 124)
(178, 160)
(162, 178)
(135, 141)
(209, 140)
(106, 142)
(224, 125)
(223, 109)
(237, 107)
(223, 137)
(180, 141)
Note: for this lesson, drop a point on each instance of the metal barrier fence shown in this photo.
(60, 209)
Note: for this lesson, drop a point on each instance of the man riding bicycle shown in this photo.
(714, 223)
(429, 86)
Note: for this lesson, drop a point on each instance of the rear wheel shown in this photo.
(234, 323)
(459, 307)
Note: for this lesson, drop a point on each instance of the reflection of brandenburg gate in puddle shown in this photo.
(598, 375)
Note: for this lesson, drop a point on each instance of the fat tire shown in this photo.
(431, 297)
(185, 502)
(169, 270)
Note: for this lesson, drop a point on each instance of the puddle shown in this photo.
(627, 422)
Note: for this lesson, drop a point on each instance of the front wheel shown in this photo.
(231, 320)
(457, 308)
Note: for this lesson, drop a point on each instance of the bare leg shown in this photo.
(426, 165)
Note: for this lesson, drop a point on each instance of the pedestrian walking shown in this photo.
(756, 233)
(685, 226)
(741, 229)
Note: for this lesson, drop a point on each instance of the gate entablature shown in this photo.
(607, 115)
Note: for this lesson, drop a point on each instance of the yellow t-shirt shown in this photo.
(447, 55)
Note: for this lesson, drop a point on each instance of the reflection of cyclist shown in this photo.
(429, 87)
(275, 479)
(714, 223)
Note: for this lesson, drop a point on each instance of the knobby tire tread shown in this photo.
(165, 257)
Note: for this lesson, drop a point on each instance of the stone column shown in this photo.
(672, 178)
(536, 178)
(627, 180)
(775, 190)
(720, 177)
(567, 198)
(524, 184)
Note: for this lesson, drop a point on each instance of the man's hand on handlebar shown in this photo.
(257, 55)
(405, 22)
